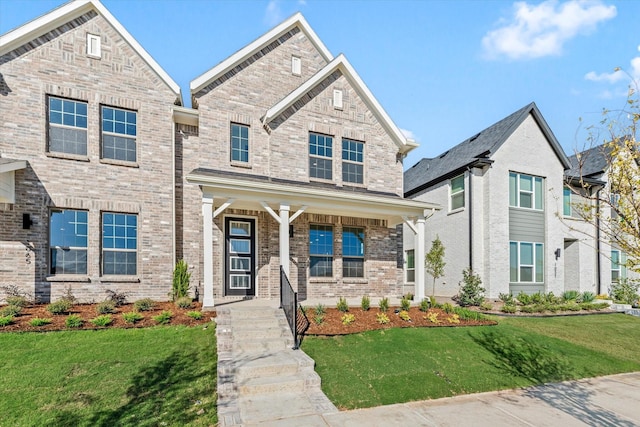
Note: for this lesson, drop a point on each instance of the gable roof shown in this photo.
(589, 163)
(68, 12)
(297, 20)
(341, 64)
(477, 149)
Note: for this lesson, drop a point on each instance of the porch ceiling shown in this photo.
(7, 178)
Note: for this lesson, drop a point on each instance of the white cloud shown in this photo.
(408, 134)
(618, 74)
(541, 30)
(273, 14)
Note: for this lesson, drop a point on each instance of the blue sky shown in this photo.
(443, 70)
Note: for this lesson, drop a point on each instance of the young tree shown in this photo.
(434, 262)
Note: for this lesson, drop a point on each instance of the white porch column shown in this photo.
(419, 258)
(207, 253)
(284, 237)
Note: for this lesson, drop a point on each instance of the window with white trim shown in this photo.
(119, 244)
(618, 265)
(526, 262)
(456, 189)
(320, 250)
(68, 240)
(320, 156)
(352, 161)
(411, 266)
(239, 143)
(525, 191)
(352, 252)
(67, 126)
(337, 99)
(93, 46)
(119, 131)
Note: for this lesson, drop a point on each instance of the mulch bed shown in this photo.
(367, 321)
(88, 311)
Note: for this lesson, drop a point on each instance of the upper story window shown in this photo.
(352, 161)
(68, 238)
(67, 126)
(321, 250)
(119, 130)
(93, 46)
(618, 265)
(239, 143)
(119, 243)
(456, 189)
(320, 156)
(352, 252)
(525, 191)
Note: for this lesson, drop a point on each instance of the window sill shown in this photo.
(119, 279)
(322, 280)
(241, 165)
(455, 211)
(68, 278)
(355, 280)
(526, 209)
(120, 163)
(67, 156)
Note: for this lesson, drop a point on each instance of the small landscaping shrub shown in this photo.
(466, 314)
(528, 309)
(524, 299)
(552, 299)
(486, 306)
(365, 304)
(509, 308)
(408, 296)
(61, 306)
(73, 321)
(15, 291)
(382, 318)
(342, 305)
(447, 307)
(185, 302)
(195, 315)
(425, 304)
(5, 320)
(318, 318)
(602, 296)
(69, 296)
(37, 321)
(181, 278)
(587, 306)
(102, 320)
(588, 296)
(470, 293)
(17, 300)
(601, 305)
(321, 309)
(574, 306)
(432, 317)
(405, 304)
(163, 318)
(404, 315)
(10, 310)
(106, 307)
(144, 304)
(570, 295)
(384, 304)
(132, 317)
(625, 291)
(454, 318)
(537, 298)
(433, 301)
(117, 298)
(347, 319)
(506, 298)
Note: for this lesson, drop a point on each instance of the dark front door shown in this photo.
(240, 257)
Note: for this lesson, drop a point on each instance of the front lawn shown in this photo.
(400, 365)
(126, 377)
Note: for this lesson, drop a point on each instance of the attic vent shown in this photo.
(93, 46)
(474, 137)
(337, 99)
(296, 65)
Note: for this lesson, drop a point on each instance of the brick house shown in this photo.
(86, 158)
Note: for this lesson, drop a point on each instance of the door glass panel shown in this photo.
(240, 281)
(238, 228)
(242, 264)
(240, 246)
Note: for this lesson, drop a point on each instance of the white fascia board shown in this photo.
(7, 165)
(341, 62)
(186, 116)
(66, 13)
(296, 20)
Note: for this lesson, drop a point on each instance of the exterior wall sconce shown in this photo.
(557, 253)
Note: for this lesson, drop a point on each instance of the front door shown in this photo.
(240, 259)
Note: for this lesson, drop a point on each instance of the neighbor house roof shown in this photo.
(228, 64)
(341, 64)
(589, 163)
(67, 12)
(477, 149)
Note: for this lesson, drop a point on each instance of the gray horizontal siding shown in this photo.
(526, 225)
(527, 288)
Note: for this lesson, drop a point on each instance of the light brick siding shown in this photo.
(57, 64)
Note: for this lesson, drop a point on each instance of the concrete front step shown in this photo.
(261, 346)
(272, 365)
(258, 334)
(266, 385)
(257, 410)
(255, 313)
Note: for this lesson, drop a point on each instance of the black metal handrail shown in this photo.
(289, 304)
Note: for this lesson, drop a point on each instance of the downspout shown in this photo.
(173, 191)
(470, 218)
(598, 279)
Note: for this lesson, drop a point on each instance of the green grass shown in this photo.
(126, 377)
(400, 365)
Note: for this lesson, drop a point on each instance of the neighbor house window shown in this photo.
(457, 192)
(239, 143)
(68, 242)
(119, 130)
(526, 262)
(320, 156)
(525, 191)
(618, 265)
(411, 266)
(352, 252)
(352, 161)
(119, 244)
(67, 126)
(566, 201)
(321, 250)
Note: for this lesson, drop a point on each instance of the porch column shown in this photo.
(207, 253)
(419, 258)
(284, 237)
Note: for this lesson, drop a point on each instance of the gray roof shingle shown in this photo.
(589, 163)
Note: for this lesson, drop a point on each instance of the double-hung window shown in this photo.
(239, 143)
(68, 238)
(411, 266)
(321, 250)
(352, 252)
(320, 156)
(352, 161)
(119, 130)
(119, 244)
(67, 126)
(526, 262)
(618, 265)
(457, 192)
(525, 191)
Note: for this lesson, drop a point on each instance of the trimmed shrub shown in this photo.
(625, 291)
(470, 293)
(195, 315)
(181, 278)
(570, 295)
(365, 304)
(184, 302)
(18, 301)
(408, 296)
(62, 306)
(454, 319)
(163, 318)
(524, 299)
(509, 308)
(404, 315)
(102, 320)
(117, 298)
(6, 320)
(486, 306)
(37, 321)
(432, 316)
(106, 307)
(506, 298)
(405, 304)
(447, 307)
(132, 317)
(320, 309)
(347, 319)
(382, 318)
(384, 304)
(318, 318)
(144, 304)
(342, 305)
(425, 304)
(466, 314)
(73, 321)
(588, 296)
(10, 310)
